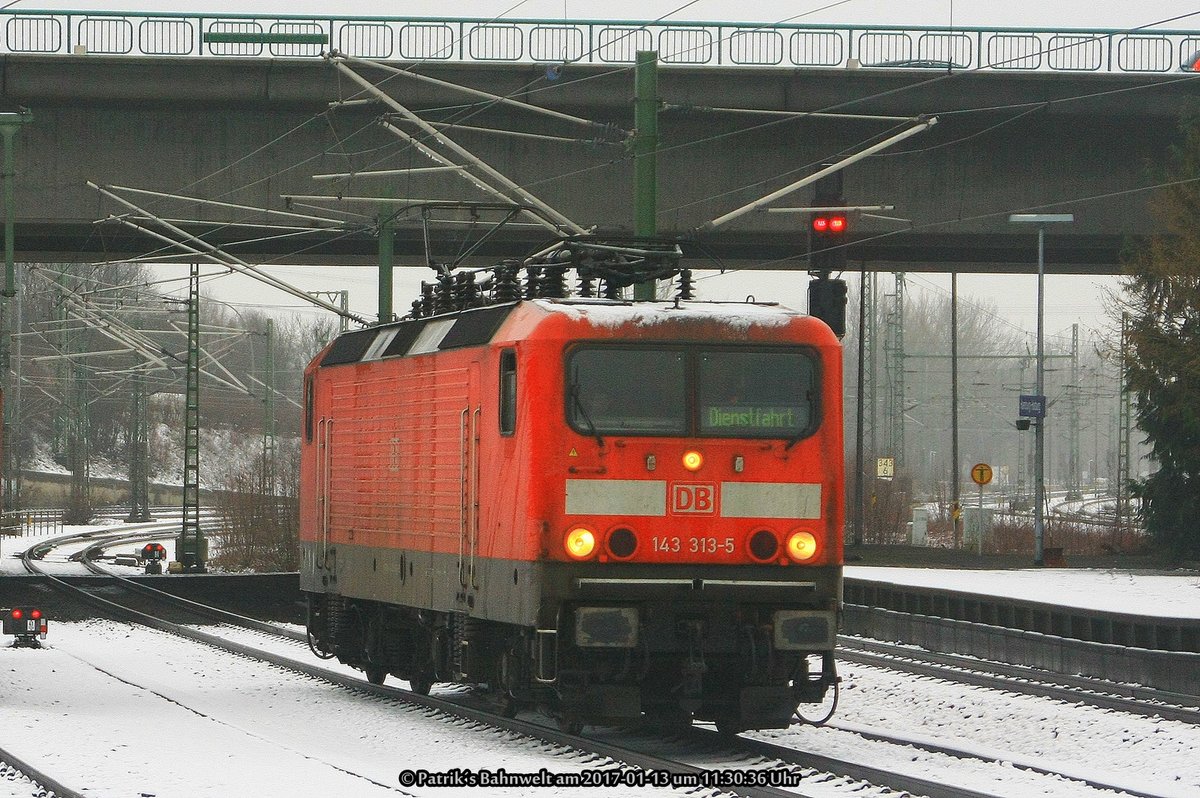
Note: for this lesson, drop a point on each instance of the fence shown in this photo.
(21, 523)
(596, 41)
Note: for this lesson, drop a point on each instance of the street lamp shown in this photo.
(1039, 440)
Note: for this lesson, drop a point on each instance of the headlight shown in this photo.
(580, 543)
(802, 546)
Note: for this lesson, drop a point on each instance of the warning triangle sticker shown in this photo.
(573, 452)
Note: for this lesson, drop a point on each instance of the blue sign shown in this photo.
(1032, 406)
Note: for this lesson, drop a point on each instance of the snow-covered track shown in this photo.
(1133, 699)
(41, 784)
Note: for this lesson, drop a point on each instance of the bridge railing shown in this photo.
(595, 41)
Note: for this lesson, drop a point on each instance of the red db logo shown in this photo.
(694, 497)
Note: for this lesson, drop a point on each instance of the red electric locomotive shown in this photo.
(608, 509)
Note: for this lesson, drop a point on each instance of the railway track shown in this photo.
(15, 769)
(740, 765)
(1134, 699)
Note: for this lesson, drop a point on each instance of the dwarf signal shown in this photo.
(27, 624)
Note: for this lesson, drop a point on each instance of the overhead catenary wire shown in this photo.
(216, 255)
(472, 160)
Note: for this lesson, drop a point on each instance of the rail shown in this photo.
(564, 41)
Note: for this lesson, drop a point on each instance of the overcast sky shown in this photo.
(1069, 299)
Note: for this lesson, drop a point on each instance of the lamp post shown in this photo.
(1039, 440)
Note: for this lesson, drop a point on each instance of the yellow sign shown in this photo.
(981, 473)
(885, 467)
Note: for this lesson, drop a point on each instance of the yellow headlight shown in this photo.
(580, 543)
(802, 546)
(693, 460)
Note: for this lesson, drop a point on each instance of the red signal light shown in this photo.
(35, 614)
(16, 614)
(833, 224)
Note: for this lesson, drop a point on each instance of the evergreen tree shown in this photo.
(1162, 287)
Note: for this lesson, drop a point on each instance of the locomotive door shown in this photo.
(468, 530)
(324, 478)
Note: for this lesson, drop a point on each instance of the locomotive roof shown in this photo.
(477, 326)
(608, 313)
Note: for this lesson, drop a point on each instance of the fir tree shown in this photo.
(1162, 288)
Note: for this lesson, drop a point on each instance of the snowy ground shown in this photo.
(125, 711)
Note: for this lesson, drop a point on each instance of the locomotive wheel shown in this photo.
(376, 674)
(569, 726)
(509, 707)
(420, 684)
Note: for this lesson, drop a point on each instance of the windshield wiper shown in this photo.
(583, 413)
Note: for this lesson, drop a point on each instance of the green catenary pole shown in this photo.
(645, 154)
(10, 123)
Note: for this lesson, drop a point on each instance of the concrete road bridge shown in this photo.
(237, 109)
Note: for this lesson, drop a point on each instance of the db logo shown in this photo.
(693, 497)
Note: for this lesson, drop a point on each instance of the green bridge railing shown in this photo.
(595, 41)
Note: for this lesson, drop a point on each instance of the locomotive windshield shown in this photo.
(754, 394)
(734, 392)
(613, 391)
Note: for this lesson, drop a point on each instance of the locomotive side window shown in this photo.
(621, 391)
(508, 392)
(755, 394)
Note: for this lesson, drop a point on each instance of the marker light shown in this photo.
(580, 543)
(833, 224)
(35, 614)
(693, 460)
(16, 614)
(802, 546)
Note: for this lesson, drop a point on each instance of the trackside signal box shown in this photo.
(27, 624)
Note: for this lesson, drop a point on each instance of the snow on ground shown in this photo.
(121, 710)
(1175, 595)
(1151, 755)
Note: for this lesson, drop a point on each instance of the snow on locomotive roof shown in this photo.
(612, 313)
(477, 325)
